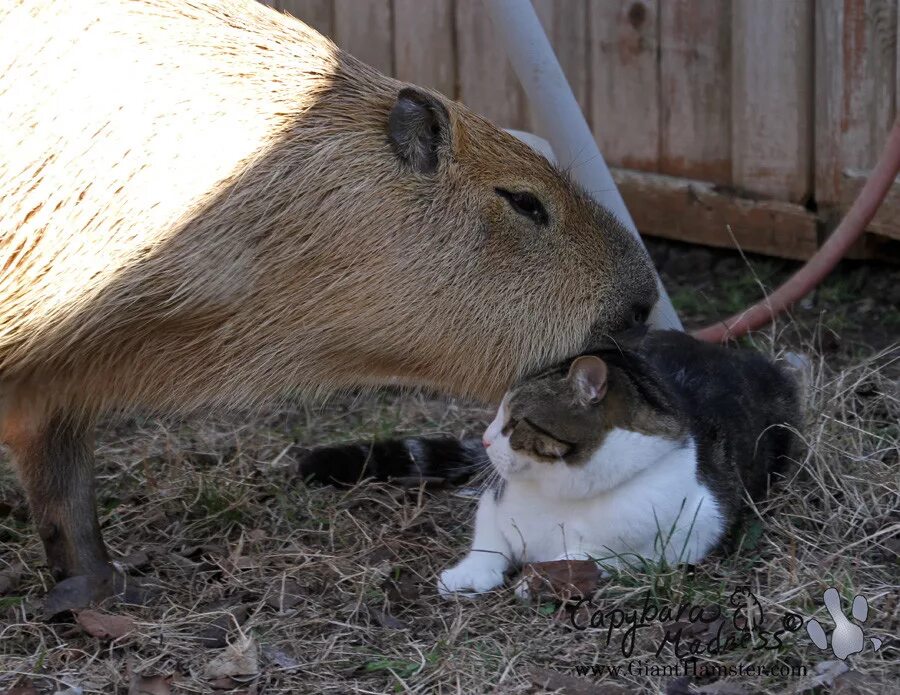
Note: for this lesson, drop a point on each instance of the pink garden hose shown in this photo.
(824, 260)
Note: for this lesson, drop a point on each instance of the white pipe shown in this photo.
(560, 120)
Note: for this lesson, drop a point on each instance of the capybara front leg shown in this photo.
(54, 459)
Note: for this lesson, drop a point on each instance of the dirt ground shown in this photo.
(267, 585)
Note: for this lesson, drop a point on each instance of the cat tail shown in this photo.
(403, 460)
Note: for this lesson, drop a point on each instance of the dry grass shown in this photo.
(335, 588)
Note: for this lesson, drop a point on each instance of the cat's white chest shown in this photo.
(614, 506)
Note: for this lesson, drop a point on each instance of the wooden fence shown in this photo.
(753, 121)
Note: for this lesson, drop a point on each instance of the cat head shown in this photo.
(551, 428)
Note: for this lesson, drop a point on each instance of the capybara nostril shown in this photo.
(640, 312)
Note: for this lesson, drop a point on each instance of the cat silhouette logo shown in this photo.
(847, 637)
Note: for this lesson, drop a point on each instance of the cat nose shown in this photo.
(485, 443)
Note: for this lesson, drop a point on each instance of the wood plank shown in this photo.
(625, 81)
(365, 30)
(565, 22)
(487, 83)
(887, 220)
(319, 14)
(424, 51)
(695, 89)
(771, 136)
(856, 88)
(828, 75)
(701, 213)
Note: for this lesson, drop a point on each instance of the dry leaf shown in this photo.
(150, 685)
(104, 625)
(10, 578)
(238, 659)
(214, 634)
(285, 597)
(223, 683)
(278, 657)
(561, 578)
(135, 561)
(387, 620)
(24, 688)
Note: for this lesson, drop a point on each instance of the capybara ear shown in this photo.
(588, 376)
(418, 126)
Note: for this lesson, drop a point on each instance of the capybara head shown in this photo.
(484, 260)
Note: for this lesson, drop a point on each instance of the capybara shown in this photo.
(204, 203)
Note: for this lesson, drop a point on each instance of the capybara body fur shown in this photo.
(205, 203)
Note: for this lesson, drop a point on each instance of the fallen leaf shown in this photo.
(150, 685)
(104, 625)
(223, 683)
(10, 578)
(214, 635)
(387, 620)
(564, 579)
(285, 597)
(24, 688)
(135, 561)
(238, 659)
(403, 591)
(278, 657)
(565, 684)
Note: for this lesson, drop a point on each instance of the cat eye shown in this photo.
(509, 427)
(526, 204)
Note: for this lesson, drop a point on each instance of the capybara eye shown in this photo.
(525, 204)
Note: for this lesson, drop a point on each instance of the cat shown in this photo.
(643, 450)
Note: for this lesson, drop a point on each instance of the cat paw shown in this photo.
(469, 578)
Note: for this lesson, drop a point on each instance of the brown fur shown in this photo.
(199, 206)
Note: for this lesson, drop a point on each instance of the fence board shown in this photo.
(318, 14)
(424, 52)
(365, 30)
(625, 81)
(698, 212)
(771, 132)
(565, 22)
(856, 92)
(487, 83)
(695, 89)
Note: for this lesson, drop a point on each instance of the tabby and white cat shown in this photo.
(643, 450)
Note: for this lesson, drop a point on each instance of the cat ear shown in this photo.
(588, 375)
